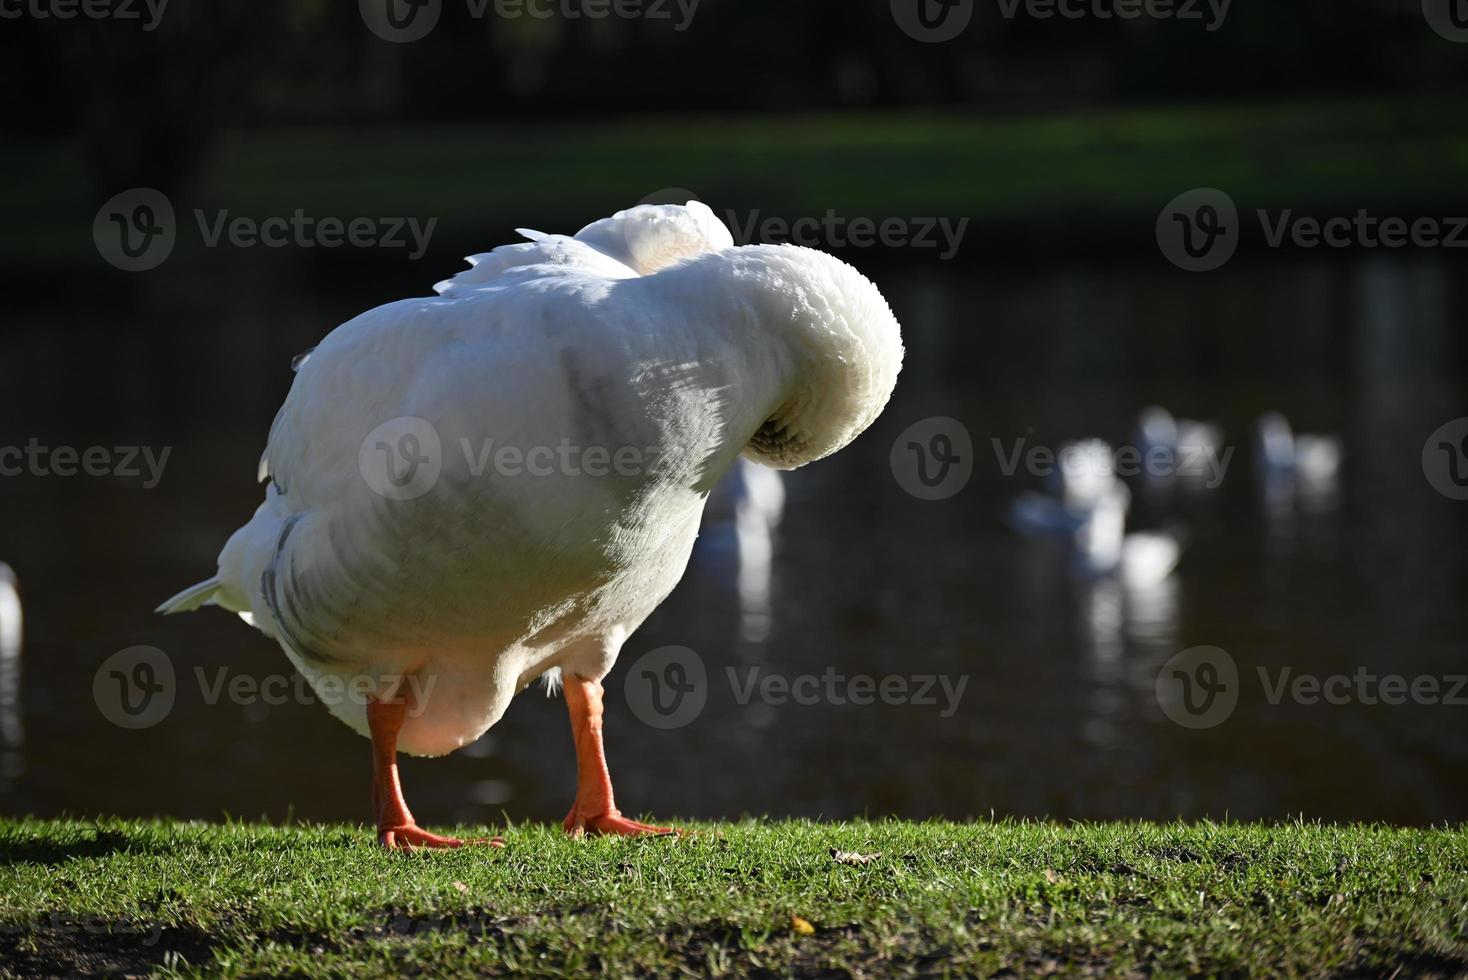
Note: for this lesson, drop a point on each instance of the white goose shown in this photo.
(1091, 510)
(1186, 447)
(1280, 451)
(12, 731)
(477, 489)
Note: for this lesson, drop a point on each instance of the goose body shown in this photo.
(470, 490)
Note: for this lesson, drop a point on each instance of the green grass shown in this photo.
(981, 898)
(1089, 169)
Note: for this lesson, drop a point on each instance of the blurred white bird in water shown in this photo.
(12, 733)
(394, 551)
(1173, 447)
(1103, 546)
(10, 613)
(1293, 469)
(1085, 473)
(1083, 477)
(1279, 450)
(1091, 510)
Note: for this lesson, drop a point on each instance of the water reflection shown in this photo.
(739, 534)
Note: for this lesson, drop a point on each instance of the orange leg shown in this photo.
(594, 812)
(396, 829)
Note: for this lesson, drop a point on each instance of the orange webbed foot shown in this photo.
(410, 836)
(613, 823)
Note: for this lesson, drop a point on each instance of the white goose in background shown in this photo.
(1085, 474)
(1140, 559)
(1191, 449)
(1084, 477)
(1092, 509)
(10, 615)
(1279, 451)
(12, 732)
(1292, 470)
(401, 553)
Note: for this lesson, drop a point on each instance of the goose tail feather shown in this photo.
(191, 598)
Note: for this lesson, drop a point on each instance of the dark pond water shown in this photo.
(1058, 714)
